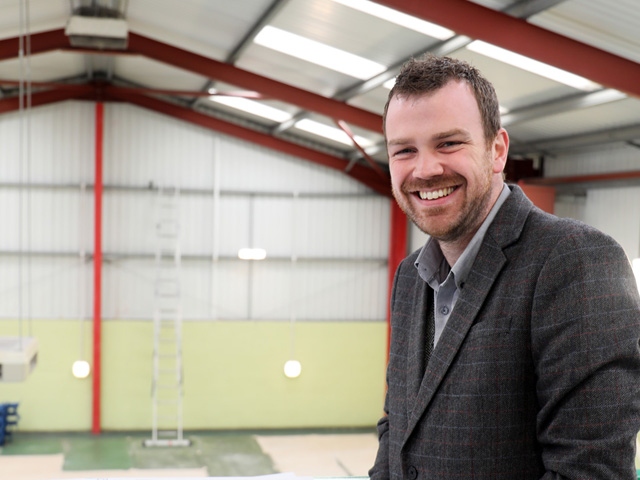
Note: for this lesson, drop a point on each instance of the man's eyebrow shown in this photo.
(452, 133)
(398, 141)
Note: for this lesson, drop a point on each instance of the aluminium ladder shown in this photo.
(166, 388)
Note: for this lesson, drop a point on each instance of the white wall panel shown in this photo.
(342, 227)
(50, 220)
(128, 222)
(616, 211)
(570, 206)
(144, 148)
(52, 287)
(246, 166)
(331, 217)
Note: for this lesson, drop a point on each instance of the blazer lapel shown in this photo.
(417, 336)
(505, 229)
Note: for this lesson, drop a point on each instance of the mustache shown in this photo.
(415, 184)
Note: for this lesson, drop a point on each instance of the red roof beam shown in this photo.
(235, 76)
(517, 35)
(361, 173)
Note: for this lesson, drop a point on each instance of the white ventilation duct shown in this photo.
(103, 33)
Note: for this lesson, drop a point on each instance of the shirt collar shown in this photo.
(431, 264)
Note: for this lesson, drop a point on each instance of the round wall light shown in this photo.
(81, 369)
(292, 369)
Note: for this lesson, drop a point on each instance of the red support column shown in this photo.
(97, 270)
(397, 252)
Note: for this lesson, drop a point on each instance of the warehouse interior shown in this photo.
(219, 167)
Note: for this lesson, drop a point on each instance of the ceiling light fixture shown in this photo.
(253, 107)
(331, 133)
(533, 66)
(399, 18)
(318, 53)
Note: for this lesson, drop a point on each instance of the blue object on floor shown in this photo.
(8, 418)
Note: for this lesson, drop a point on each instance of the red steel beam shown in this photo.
(50, 96)
(97, 274)
(235, 76)
(482, 23)
(572, 180)
(398, 233)
(39, 43)
(361, 173)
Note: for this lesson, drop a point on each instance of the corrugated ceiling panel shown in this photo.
(597, 23)
(44, 15)
(337, 26)
(210, 28)
(152, 74)
(515, 87)
(592, 119)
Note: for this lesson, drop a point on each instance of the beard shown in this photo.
(461, 224)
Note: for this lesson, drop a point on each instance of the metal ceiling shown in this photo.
(178, 50)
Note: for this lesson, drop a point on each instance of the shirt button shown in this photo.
(412, 473)
(444, 310)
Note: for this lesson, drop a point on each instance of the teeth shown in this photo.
(443, 192)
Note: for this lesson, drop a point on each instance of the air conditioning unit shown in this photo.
(18, 357)
(97, 32)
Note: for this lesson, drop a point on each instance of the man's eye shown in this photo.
(403, 151)
(450, 144)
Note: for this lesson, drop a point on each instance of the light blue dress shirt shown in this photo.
(446, 281)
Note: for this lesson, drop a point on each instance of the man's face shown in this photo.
(444, 175)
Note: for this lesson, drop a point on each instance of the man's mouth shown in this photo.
(435, 194)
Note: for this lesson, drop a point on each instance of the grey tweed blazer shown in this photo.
(537, 373)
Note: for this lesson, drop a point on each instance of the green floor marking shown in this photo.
(102, 452)
(32, 444)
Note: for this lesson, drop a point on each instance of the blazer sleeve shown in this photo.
(585, 345)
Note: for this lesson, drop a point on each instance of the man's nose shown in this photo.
(427, 165)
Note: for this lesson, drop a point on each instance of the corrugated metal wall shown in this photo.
(614, 210)
(326, 236)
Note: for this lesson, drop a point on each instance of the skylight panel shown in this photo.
(318, 53)
(399, 18)
(253, 107)
(533, 66)
(331, 133)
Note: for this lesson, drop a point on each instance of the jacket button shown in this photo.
(412, 473)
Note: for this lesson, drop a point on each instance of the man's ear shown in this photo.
(500, 150)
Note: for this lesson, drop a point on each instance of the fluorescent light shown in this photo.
(331, 133)
(533, 66)
(636, 270)
(389, 83)
(253, 107)
(318, 53)
(252, 254)
(399, 18)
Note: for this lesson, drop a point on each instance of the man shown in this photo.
(515, 334)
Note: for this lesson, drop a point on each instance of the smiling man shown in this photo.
(515, 334)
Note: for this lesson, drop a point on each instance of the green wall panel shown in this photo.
(233, 375)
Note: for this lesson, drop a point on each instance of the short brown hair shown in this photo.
(431, 72)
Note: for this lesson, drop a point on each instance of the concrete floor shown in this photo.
(31, 456)
(116, 455)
